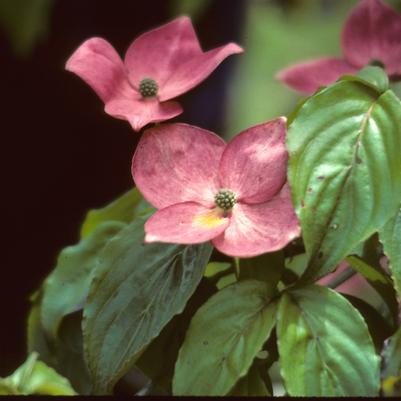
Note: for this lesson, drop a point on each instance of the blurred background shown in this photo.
(62, 155)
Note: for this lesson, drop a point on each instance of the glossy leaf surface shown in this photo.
(66, 288)
(390, 236)
(224, 337)
(344, 169)
(35, 377)
(136, 291)
(324, 345)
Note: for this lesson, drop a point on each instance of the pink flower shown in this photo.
(158, 66)
(371, 35)
(235, 195)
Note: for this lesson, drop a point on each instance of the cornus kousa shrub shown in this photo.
(226, 269)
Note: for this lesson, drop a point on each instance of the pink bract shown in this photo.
(170, 56)
(371, 34)
(180, 168)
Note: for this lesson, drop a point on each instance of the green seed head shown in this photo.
(376, 63)
(148, 87)
(225, 199)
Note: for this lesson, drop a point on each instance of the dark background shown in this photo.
(61, 154)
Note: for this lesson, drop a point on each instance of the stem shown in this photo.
(342, 278)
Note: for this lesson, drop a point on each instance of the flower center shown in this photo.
(225, 199)
(376, 63)
(148, 87)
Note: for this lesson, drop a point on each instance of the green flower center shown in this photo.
(225, 199)
(376, 63)
(148, 87)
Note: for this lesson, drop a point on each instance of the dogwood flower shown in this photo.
(371, 35)
(235, 195)
(158, 66)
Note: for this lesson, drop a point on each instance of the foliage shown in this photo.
(35, 377)
(122, 310)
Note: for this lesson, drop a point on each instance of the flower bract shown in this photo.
(159, 65)
(235, 195)
(370, 35)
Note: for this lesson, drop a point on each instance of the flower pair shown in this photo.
(371, 35)
(235, 195)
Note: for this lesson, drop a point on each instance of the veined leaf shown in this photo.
(267, 268)
(123, 209)
(37, 341)
(159, 358)
(379, 327)
(214, 268)
(224, 336)
(69, 352)
(372, 76)
(344, 169)
(324, 345)
(35, 377)
(390, 237)
(379, 281)
(66, 288)
(251, 385)
(64, 352)
(136, 291)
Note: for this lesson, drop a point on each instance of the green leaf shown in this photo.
(64, 353)
(7, 389)
(379, 328)
(344, 169)
(226, 280)
(324, 345)
(250, 385)
(66, 288)
(220, 274)
(267, 268)
(224, 337)
(159, 358)
(69, 353)
(392, 356)
(214, 268)
(294, 267)
(25, 22)
(194, 8)
(124, 209)
(35, 377)
(37, 340)
(390, 237)
(375, 77)
(136, 291)
(379, 281)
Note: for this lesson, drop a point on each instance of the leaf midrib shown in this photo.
(310, 268)
(250, 321)
(106, 301)
(319, 346)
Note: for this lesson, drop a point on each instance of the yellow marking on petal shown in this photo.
(210, 219)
